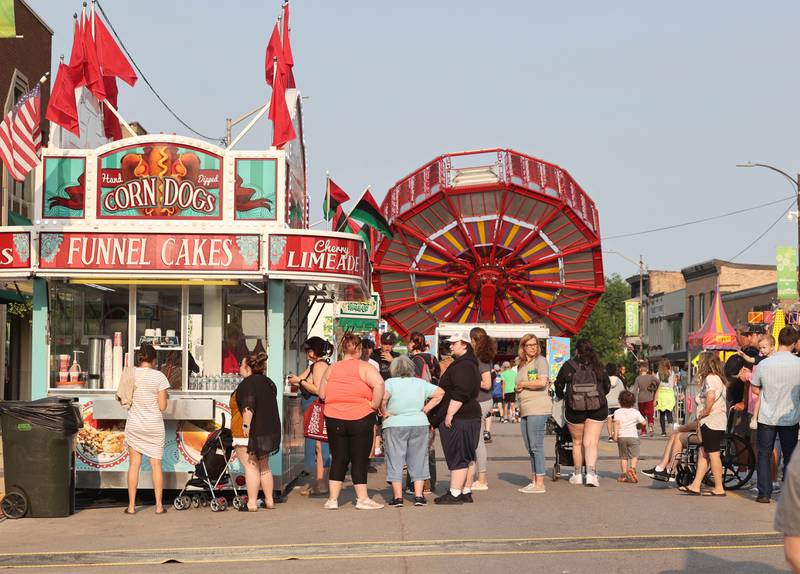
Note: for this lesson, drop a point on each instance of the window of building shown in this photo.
(691, 313)
(702, 314)
(676, 325)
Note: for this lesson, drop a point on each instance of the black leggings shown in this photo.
(662, 415)
(351, 444)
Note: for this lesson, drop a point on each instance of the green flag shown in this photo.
(367, 211)
(8, 27)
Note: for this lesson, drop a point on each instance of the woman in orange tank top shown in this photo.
(352, 390)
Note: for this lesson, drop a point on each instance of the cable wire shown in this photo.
(696, 221)
(146, 81)
(767, 230)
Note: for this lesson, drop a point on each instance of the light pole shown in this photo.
(640, 264)
(796, 186)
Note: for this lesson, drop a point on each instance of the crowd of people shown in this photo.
(377, 401)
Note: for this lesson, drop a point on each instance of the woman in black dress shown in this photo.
(257, 400)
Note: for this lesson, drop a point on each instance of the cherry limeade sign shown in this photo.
(159, 181)
(149, 251)
(312, 253)
(15, 250)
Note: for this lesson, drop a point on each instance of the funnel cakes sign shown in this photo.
(159, 181)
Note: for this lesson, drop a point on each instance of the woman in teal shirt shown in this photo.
(405, 427)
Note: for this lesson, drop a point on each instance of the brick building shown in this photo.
(23, 61)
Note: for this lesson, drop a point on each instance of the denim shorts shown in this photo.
(406, 446)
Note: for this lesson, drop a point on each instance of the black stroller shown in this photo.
(563, 448)
(211, 475)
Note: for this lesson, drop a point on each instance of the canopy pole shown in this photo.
(264, 109)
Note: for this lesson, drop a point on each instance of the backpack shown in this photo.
(584, 395)
(429, 367)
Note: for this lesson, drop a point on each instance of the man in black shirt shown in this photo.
(386, 354)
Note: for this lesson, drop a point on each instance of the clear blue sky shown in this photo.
(648, 105)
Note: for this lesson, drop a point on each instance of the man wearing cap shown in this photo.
(386, 354)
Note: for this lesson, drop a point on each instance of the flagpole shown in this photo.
(263, 110)
(120, 118)
(328, 196)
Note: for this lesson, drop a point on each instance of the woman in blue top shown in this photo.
(405, 427)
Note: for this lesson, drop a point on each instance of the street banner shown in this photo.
(631, 318)
(8, 28)
(786, 258)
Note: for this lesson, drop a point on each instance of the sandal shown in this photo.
(622, 478)
(712, 493)
(245, 509)
(686, 491)
(126, 511)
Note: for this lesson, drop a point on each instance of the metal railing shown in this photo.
(509, 167)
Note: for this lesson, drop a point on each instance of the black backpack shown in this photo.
(584, 395)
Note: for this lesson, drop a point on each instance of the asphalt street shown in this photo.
(570, 529)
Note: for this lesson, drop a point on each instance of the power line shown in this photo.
(703, 220)
(767, 230)
(146, 81)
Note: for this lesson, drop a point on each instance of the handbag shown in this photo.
(314, 422)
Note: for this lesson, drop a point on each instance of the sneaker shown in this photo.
(396, 502)
(663, 434)
(448, 498)
(591, 479)
(763, 499)
(660, 475)
(776, 487)
(610, 439)
(672, 478)
(331, 504)
(420, 501)
(632, 476)
(531, 489)
(368, 504)
(371, 469)
(576, 478)
(650, 472)
(479, 486)
(466, 497)
(487, 436)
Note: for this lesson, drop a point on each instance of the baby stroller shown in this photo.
(563, 450)
(211, 475)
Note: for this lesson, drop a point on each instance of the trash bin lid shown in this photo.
(52, 413)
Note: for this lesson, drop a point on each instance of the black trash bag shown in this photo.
(53, 414)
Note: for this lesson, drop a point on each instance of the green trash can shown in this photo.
(39, 457)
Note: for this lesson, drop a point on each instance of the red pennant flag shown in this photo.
(282, 128)
(110, 121)
(274, 50)
(62, 108)
(76, 55)
(112, 61)
(288, 58)
(91, 66)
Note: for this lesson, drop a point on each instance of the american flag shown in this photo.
(21, 137)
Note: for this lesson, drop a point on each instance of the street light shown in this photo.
(796, 188)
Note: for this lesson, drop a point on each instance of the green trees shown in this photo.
(605, 327)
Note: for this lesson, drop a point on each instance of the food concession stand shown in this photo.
(201, 251)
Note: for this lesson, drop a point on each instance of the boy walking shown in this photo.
(626, 422)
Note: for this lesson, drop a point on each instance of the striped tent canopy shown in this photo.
(489, 236)
(717, 333)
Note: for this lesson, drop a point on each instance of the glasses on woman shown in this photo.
(531, 345)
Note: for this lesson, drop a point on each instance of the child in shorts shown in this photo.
(627, 421)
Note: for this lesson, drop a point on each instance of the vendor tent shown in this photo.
(716, 333)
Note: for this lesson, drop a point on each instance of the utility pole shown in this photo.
(642, 315)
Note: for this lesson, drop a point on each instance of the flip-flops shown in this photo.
(685, 490)
(126, 511)
(712, 493)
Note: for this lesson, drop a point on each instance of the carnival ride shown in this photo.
(489, 236)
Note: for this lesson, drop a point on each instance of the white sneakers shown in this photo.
(331, 504)
(590, 479)
(479, 486)
(531, 489)
(368, 504)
